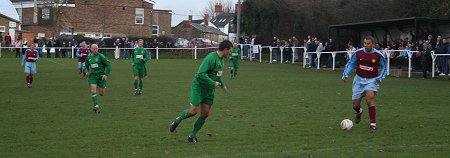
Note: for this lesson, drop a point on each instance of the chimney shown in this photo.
(218, 8)
(187, 23)
(206, 19)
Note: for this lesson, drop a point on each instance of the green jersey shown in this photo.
(235, 53)
(137, 54)
(210, 71)
(97, 64)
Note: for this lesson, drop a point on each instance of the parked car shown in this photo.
(201, 42)
(182, 43)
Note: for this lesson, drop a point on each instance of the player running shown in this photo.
(82, 53)
(234, 64)
(97, 70)
(206, 80)
(366, 83)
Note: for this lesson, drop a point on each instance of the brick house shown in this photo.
(161, 21)
(189, 29)
(9, 20)
(96, 19)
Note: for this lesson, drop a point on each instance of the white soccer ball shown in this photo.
(346, 124)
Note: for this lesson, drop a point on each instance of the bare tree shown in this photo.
(227, 7)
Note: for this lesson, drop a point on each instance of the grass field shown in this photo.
(271, 111)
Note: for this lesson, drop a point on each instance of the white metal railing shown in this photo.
(434, 57)
(333, 55)
(257, 49)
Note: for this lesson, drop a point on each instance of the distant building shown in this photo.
(190, 29)
(9, 19)
(225, 22)
(161, 24)
(94, 18)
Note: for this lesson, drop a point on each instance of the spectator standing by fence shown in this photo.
(48, 46)
(441, 48)
(40, 44)
(275, 48)
(426, 58)
(154, 45)
(8, 40)
(18, 46)
(117, 46)
(102, 46)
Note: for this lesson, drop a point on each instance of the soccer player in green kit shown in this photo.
(97, 68)
(138, 59)
(234, 64)
(206, 80)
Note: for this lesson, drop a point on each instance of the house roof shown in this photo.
(193, 22)
(223, 19)
(207, 29)
(7, 9)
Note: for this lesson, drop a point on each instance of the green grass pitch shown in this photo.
(272, 110)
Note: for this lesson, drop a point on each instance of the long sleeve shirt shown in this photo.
(367, 64)
(210, 71)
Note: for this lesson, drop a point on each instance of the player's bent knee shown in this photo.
(205, 114)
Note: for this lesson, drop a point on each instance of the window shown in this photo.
(139, 18)
(45, 14)
(2, 28)
(155, 30)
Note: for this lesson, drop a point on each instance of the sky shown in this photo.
(182, 8)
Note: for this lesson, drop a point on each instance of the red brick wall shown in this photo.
(186, 31)
(5, 22)
(115, 17)
(164, 22)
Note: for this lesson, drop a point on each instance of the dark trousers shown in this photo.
(426, 66)
(17, 52)
(48, 53)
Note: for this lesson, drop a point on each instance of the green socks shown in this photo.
(94, 99)
(141, 84)
(184, 115)
(198, 124)
(135, 84)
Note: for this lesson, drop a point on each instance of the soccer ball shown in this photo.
(346, 124)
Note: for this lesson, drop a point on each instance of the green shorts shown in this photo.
(139, 70)
(97, 80)
(234, 64)
(200, 95)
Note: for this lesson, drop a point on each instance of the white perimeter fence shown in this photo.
(254, 52)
